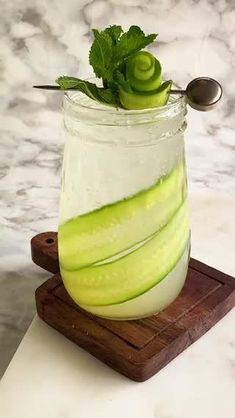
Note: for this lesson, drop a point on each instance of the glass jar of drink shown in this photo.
(124, 230)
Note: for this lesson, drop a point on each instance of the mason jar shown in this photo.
(123, 229)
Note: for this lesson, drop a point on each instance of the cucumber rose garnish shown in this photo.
(131, 77)
(141, 86)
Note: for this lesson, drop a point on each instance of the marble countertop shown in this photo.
(49, 38)
(51, 377)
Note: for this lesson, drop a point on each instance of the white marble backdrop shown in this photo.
(41, 39)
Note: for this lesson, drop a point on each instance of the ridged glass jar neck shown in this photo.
(163, 121)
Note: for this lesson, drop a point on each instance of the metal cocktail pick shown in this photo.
(202, 93)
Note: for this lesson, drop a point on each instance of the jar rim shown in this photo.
(78, 106)
(73, 99)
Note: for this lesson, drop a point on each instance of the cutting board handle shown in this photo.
(44, 251)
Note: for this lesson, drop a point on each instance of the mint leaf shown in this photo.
(121, 81)
(100, 55)
(113, 86)
(100, 94)
(66, 82)
(114, 32)
(135, 31)
(130, 42)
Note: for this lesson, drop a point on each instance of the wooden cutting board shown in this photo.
(139, 348)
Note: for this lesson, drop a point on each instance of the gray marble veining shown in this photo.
(46, 38)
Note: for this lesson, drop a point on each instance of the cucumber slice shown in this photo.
(151, 302)
(135, 273)
(145, 99)
(109, 230)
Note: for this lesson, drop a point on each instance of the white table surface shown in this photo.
(51, 377)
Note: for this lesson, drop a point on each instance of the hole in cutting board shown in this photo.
(50, 240)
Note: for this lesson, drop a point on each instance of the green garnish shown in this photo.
(101, 94)
(131, 78)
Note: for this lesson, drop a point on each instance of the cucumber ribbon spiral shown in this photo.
(140, 84)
